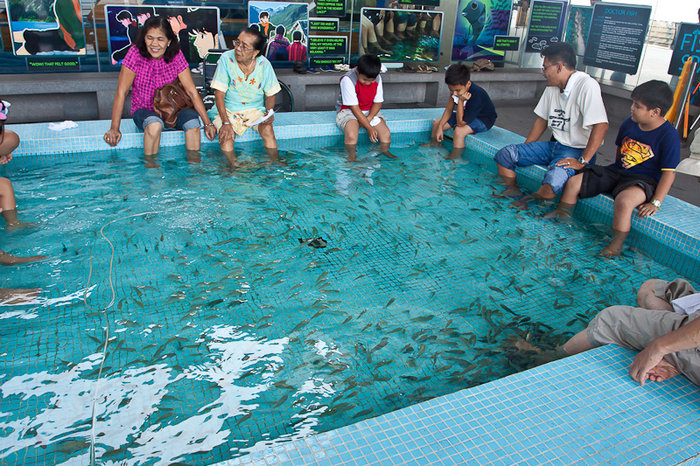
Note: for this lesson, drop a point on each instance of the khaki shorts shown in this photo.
(635, 327)
(346, 115)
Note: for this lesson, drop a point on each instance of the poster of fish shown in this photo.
(197, 28)
(46, 27)
(477, 23)
(577, 27)
(399, 35)
(286, 27)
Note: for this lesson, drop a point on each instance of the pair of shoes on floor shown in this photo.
(418, 68)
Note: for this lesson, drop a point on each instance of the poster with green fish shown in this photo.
(46, 27)
(477, 23)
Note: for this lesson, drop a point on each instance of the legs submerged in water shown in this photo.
(9, 259)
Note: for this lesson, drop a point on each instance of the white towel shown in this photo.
(68, 124)
(687, 304)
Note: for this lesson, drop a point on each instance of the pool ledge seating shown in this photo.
(672, 236)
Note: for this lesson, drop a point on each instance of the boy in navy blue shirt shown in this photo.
(469, 110)
(648, 151)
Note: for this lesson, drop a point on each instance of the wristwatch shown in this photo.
(582, 160)
(656, 203)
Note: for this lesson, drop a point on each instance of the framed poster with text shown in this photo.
(616, 36)
(546, 24)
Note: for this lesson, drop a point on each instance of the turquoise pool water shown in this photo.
(227, 332)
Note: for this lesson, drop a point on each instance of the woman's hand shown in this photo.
(113, 136)
(210, 131)
(269, 120)
(225, 133)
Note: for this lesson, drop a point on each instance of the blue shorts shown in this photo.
(186, 119)
(541, 153)
(476, 125)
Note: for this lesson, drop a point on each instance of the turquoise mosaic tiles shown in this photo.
(580, 410)
(675, 229)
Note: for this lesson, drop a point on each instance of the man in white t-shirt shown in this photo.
(572, 107)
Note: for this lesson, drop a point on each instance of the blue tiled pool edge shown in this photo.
(676, 228)
(583, 409)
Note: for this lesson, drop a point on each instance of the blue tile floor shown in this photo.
(580, 410)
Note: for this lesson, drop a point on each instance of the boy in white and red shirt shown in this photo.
(359, 104)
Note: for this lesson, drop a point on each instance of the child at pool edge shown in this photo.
(8, 208)
(648, 151)
(469, 110)
(359, 103)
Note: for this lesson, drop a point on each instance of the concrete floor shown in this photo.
(518, 118)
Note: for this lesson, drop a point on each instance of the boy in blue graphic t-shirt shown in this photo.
(648, 151)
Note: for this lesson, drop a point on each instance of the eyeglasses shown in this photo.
(242, 45)
(544, 68)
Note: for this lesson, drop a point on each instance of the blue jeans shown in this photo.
(186, 119)
(476, 125)
(541, 153)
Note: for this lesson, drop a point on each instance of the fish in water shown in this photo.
(315, 242)
(475, 13)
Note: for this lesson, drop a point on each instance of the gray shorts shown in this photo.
(346, 115)
(635, 327)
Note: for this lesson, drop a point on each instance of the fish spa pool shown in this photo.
(194, 312)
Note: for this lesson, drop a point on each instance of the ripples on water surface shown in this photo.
(227, 333)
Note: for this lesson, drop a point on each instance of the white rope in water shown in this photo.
(104, 351)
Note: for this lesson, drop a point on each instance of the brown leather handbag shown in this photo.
(169, 100)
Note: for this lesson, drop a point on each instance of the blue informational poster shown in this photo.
(616, 36)
(476, 25)
(286, 27)
(546, 24)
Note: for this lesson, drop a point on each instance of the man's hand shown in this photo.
(642, 367)
(646, 210)
(570, 162)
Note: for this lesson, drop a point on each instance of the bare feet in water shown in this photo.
(510, 191)
(523, 203)
(9, 259)
(10, 297)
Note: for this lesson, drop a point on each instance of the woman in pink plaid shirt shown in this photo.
(155, 59)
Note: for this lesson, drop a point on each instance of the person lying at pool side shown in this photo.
(153, 61)
(572, 107)
(245, 87)
(469, 110)
(9, 141)
(648, 151)
(359, 103)
(665, 329)
(18, 296)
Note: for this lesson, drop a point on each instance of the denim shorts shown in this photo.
(476, 125)
(546, 153)
(186, 119)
